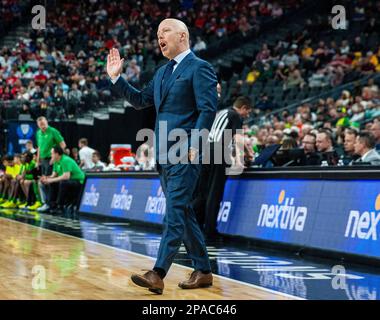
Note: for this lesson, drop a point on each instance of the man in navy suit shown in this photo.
(183, 91)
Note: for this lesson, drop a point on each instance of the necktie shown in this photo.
(168, 72)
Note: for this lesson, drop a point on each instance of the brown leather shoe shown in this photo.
(150, 280)
(197, 280)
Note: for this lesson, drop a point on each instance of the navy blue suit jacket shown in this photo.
(189, 101)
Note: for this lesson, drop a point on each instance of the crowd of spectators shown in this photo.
(59, 72)
(330, 131)
(314, 58)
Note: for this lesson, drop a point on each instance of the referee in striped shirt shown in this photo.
(213, 175)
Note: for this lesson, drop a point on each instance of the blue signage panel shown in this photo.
(277, 210)
(131, 198)
(339, 215)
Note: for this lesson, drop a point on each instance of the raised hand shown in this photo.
(114, 63)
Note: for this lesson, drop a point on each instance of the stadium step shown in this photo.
(11, 39)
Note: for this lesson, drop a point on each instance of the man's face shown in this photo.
(244, 112)
(349, 143)
(359, 147)
(308, 143)
(262, 134)
(54, 155)
(95, 158)
(322, 142)
(42, 124)
(375, 130)
(170, 38)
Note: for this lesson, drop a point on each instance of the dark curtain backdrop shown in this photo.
(120, 128)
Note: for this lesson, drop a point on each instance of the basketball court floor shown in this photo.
(64, 257)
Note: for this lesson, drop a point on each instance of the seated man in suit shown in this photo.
(184, 94)
(325, 147)
(349, 146)
(375, 130)
(365, 148)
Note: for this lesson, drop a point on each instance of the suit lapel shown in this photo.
(177, 72)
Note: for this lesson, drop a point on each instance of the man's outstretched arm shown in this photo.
(139, 99)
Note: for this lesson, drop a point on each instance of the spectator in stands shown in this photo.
(58, 108)
(98, 164)
(375, 130)
(132, 73)
(73, 100)
(144, 158)
(277, 10)
(264, 103)
(85, 154)
(29, 147)
(291, 58)
(310, 149)
(263, 54)
(252, 75)
(200, 45)
(349, 146)
(365, 148)
(271, 140)
(67, 151)
(294, 78)
(325, 147)
(64, 183)
(282, 71)
(75, 155)
(288, 143)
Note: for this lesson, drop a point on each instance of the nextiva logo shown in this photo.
(91, 198)
(156, 204)
(363, 225)
(284, 215)
(122, 200)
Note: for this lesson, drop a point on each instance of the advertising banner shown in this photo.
(337, 215)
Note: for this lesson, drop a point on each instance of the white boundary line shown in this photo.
(151, 258)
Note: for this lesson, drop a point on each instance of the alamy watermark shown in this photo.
(339, 20)
(175, 147)
(39, 20)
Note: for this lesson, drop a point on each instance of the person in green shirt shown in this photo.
(64, 183)
(47, 137)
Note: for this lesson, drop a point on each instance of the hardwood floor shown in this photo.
(36, 263)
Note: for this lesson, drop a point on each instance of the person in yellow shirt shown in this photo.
(307, 52)
(252, 76)
(6, 177)
(12, 170)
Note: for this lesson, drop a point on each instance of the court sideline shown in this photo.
(37, 263)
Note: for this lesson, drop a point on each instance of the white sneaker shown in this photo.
(44, 208)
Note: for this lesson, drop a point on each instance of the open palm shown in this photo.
(114, 63)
